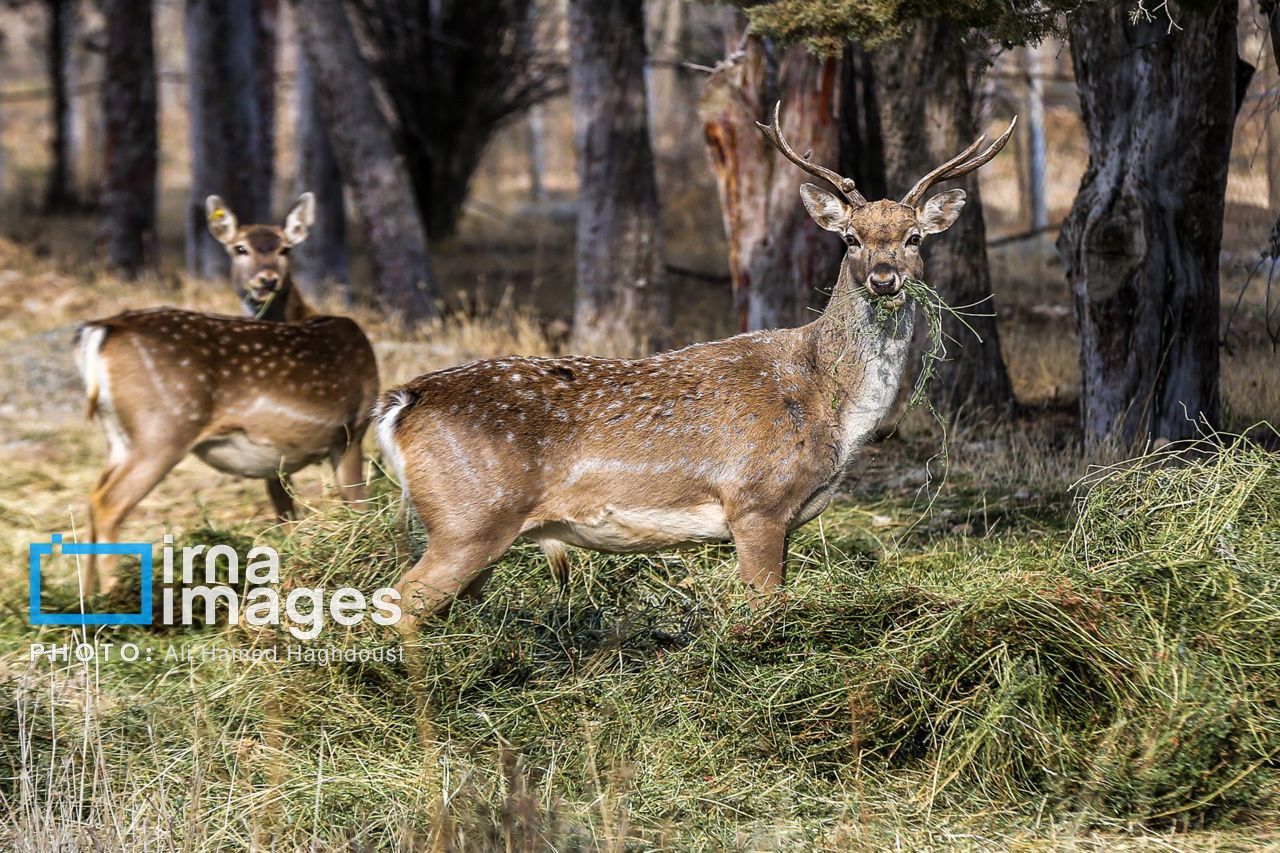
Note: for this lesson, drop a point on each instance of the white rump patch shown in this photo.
(385, 433)
(97, 387)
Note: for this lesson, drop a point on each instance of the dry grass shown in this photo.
(1097, 684)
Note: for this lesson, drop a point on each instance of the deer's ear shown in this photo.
(297, 225)
(222, 222)
(941, 211)
(826, 209)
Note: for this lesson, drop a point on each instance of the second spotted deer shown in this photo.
(741, 439)
(258, 396)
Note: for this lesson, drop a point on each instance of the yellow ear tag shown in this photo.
(217, 214)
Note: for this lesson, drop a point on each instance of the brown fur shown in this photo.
(742, 439)
(254, 397)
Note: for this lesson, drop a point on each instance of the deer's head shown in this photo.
(260, 253)
(884, 237)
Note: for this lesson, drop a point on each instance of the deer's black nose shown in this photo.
(883, 280)
(269, 279)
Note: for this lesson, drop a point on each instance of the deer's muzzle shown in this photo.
(884, 280)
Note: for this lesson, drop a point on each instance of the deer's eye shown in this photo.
(242, 250)
(914, 241)
(284, 251)
(851, 240)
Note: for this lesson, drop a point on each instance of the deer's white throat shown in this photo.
(883, 348)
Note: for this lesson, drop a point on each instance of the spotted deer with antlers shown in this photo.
(743, 439)
(258, 396)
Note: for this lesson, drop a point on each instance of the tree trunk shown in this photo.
(536, 135)
(266, 23)
(228, 130)
(780, 261)
(60, 194)
(861, 140)
(1037, 206)
(129, 149)
(454, 72)
(367, 158)
(1272, 66)
(1142, 240)
(321, 261)
(928, 114)
(623, 305)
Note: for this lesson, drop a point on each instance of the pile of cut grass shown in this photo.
(1123, 673)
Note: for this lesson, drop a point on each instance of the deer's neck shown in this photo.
(863, 356)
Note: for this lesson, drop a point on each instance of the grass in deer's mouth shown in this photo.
(1123, 670)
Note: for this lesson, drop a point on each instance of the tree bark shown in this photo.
(1142, 240)
(928, 114)
(1268, 9)
(60, 194)
(780, 261)
(129, 144)
(366, 155)
(321, 261)
(861, 140)
(623, 305)
(266, 24)
(228, 130)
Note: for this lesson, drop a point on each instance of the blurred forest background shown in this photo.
(461, 151)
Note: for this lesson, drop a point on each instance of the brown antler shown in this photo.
(958, 166)
(773, 133)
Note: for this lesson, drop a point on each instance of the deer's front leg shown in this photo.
(348, 469)
(762, 551)
(278, 489)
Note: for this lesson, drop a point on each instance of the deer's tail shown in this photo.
(386, 417)
(93, 370)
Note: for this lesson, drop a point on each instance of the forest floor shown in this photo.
(955, 667)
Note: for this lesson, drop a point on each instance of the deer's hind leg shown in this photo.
(119, 490)
(348, 469)
(456, 563)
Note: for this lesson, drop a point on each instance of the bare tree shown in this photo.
(60, 193)
(321, 261)
(266, 24)
(229, 137)
(623, 304)
(1142, 240)
(129, 150)
(778, 256)
(927, 114)
(1036, 202)
(455, 71)
(366, 154)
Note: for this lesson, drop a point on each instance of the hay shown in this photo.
(1122, 672)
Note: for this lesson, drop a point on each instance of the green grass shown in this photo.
(1117, 673)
